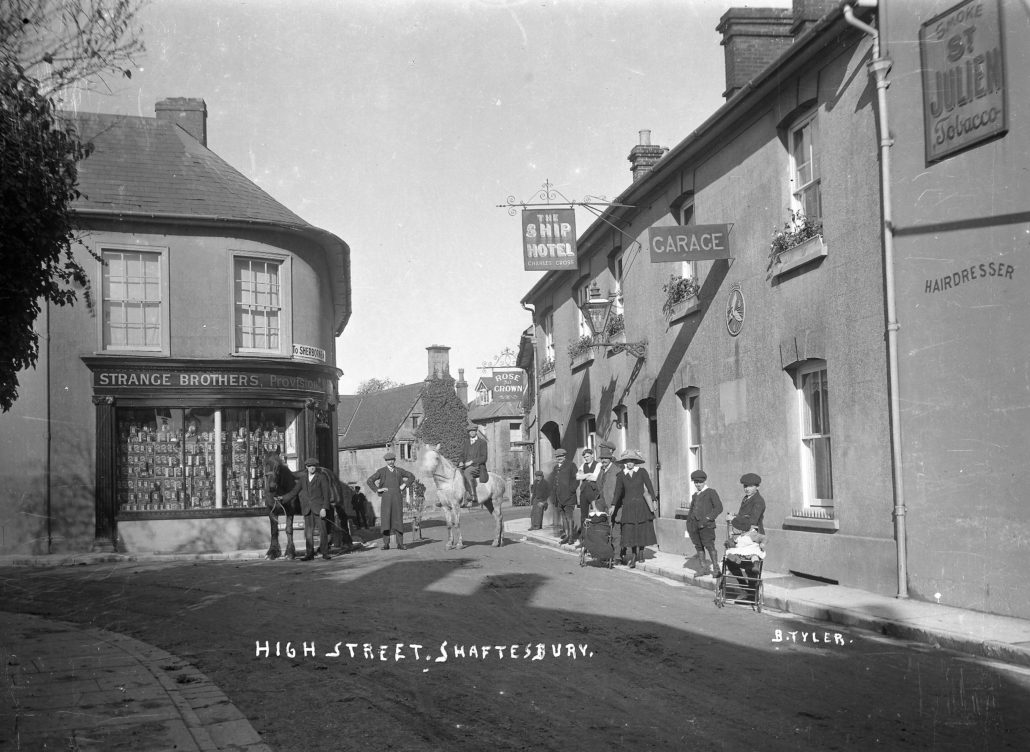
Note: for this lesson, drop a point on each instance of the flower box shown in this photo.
(684, 308)
(582, 359)
(803, 253)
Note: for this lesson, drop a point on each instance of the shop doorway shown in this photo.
(325, 452)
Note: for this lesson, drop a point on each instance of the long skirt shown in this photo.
(637, 525)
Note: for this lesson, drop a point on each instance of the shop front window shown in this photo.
(182, 459)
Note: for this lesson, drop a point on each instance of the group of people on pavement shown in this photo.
(621, 488)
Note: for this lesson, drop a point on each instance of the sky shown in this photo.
(401, 127)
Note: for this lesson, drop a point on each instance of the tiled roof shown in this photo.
(373, 419)
(150, 166)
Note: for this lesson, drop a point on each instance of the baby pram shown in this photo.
(597, 541)
(743, 585)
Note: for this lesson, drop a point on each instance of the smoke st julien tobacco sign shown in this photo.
(964, 92)
(548, 239)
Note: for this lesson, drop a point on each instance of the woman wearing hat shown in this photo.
(637, 521)
(752, 506)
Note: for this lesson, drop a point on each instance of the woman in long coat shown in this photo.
(637, 521)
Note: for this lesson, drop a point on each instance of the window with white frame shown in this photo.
(514, 432)
(407, 451)
(258, 304)
(814, 409)
(692, 409)
(582, 296)
(587, 431)
(618, 269)
(806, 195)
(548, 329)
(685, 216)
(135, 293)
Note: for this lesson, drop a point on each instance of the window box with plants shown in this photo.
(680, 297)
(800, 242)
(546, 374)
(581, 351)
(615, 329)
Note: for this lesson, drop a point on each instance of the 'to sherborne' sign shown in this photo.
(549, 239)
(963, 59)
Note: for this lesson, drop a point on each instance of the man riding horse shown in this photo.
(473, 461)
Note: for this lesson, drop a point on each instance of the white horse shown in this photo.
(450, 491)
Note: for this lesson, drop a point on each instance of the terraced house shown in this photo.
(770, 298)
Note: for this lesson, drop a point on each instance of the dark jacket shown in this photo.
(315, 494)
(541, 491)
(754, 509)
(564, 484)
(475, 455)
(705, 506)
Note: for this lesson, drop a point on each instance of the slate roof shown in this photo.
(374, 419)
(151, 169)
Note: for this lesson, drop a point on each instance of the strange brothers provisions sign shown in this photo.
(963, 61)
(549, 239)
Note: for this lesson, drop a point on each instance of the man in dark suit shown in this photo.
(563, 490)
(473, 461)
(705, 506)
(752, 506)
(315, 503)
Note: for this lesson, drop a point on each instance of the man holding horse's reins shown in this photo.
(315, 504)
(473, 462)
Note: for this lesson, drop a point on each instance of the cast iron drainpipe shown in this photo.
(536, 390)
(879, 66)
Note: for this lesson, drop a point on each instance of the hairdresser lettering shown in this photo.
(964, 96)
(416, 652)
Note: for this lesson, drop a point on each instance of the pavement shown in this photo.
(75, 688)
(1000, 638)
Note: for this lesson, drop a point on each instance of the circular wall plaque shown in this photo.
(735, 311)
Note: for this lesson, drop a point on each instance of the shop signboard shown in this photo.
(106, 379)
(548, 239)
(509, 385)
(963, 63)
(689, 243)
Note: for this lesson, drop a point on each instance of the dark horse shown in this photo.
(281, 490)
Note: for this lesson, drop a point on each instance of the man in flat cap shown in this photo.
(315, 499)
(588, 490)
(752, 506)
(705, 506)
(563, 491)
(390, 482)
(473, 462)
(539, 493)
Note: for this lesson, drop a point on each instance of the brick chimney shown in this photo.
(462, 387)
(753, 38)
(643, 157)
(188, 114)
(439, 362)
(807, 12)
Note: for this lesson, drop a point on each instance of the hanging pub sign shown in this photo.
(549, 239)
(509, 385)
(689, 243)
(963, 61)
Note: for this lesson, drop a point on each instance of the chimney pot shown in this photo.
(644, 156)
(645, 138)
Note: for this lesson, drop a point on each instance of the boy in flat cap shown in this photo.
(539, 493)
(705, 506)
(390, 483)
